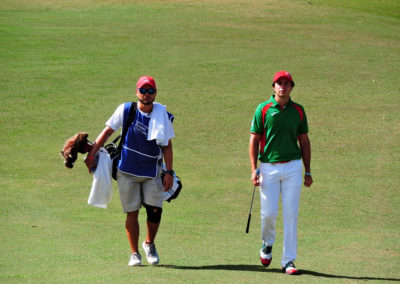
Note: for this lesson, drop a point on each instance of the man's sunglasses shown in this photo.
(150, 91)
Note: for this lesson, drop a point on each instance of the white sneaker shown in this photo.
(151, 253)
(135, 260)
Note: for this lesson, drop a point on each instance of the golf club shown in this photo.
(251, 206)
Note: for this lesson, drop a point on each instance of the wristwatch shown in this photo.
(170, 172)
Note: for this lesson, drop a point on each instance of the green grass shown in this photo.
(66, 65)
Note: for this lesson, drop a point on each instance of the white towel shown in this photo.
(160, 127)
(101, 192)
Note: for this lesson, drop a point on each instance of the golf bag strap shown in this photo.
(131, 118)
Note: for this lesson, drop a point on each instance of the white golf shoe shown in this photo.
(266, 255)
(135, 260)
(151, 253)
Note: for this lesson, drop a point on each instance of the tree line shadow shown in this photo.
(259, 268)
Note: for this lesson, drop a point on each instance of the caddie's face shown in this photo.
(282, 87)
(146, 94)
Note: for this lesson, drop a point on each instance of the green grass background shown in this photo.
(65, 67)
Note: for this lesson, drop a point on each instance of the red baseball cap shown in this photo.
(281, 74)
(146, 80)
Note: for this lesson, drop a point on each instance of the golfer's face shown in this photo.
(146, 98)
(283, 87)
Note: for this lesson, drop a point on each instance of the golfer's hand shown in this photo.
(308, 180)
(168, 182)
(255, 179)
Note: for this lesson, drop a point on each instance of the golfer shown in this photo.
(279, 140)
(147, 142)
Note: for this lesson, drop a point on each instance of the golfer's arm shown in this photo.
(305, 147)
(101, 140)
(254, 146)
(168, 155)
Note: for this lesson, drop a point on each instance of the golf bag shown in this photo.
(115, 154)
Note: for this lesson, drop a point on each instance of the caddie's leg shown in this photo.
(269, 198)
(129, 193)
(291, 187)
(153, 222)
(132, 230)
(152, 229)
(153, 200)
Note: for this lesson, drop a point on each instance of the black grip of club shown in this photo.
(248, 224)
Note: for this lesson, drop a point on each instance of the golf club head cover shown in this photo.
(74, 145)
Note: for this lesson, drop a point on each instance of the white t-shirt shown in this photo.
(117, 119)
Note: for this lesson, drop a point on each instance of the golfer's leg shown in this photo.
(132, 230)
(291, 187)
(269, 198)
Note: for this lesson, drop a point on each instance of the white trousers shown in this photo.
(281, 180)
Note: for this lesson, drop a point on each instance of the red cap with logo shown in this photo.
(281, 74)
(146, 80)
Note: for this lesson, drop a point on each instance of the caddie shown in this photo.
(279, 140)
(146, 144)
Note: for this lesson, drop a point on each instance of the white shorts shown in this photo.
(135, 191)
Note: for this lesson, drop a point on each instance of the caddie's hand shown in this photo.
(255, 179)
(90, 163)
(308, 180)
(167, 182)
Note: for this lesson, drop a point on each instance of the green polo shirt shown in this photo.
(279, 127)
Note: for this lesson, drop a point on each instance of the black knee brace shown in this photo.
(153, 213)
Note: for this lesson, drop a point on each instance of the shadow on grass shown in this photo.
(258, 268)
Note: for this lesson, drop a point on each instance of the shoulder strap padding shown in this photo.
(128, 122)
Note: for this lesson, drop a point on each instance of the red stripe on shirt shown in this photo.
(300, 112)
(262, 141)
